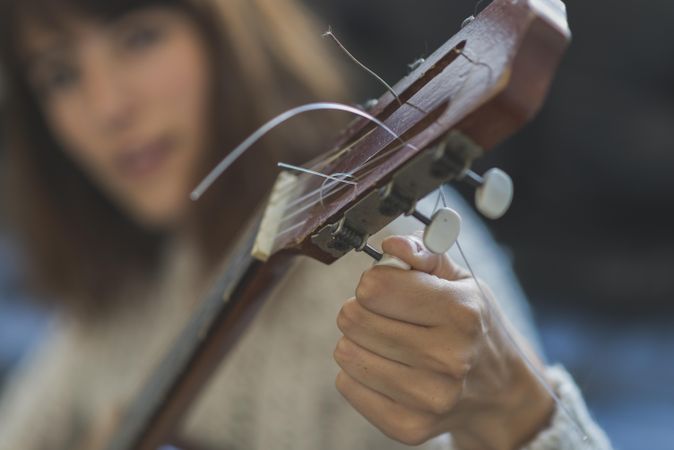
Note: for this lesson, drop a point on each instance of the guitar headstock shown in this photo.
(475, 91)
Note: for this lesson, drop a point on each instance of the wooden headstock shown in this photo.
(475, 91)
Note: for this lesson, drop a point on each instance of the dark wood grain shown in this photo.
(494, 75)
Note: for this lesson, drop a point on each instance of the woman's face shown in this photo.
(128, 100)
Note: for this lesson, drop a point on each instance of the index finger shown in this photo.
(412, 296)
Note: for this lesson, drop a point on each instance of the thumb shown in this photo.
(411, 250)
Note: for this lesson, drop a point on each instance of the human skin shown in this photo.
(423, 354)
(128, 101)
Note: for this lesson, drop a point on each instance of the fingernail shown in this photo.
(417, 246)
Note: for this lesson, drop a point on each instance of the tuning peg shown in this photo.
(372, 252)
(442, 230)
(385, 260)
(494, 192)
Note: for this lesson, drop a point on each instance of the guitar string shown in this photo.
(287, 115)
(332, 156)
(477, 7)
(376, 157)
(373, 159)
(338, 188)
(388, 87)
(318, 166)
(235, 154)
(323, 160)
(326, 183)
(532, 367)
(322, 190)
(371, 72)
(322, 163)
(315, 173)
(511, 338)
(299, 186)
(352, 174)
(340, 152)
(326, 195)
(465, 79)
(475, 62)
(310, 205)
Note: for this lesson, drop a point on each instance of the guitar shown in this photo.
(471, 94)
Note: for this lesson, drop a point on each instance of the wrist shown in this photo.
(516, 416)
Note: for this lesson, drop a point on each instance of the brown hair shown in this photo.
(82, 248)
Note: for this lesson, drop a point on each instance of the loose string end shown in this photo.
(232, 157)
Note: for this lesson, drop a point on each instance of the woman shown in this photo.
(114, 110)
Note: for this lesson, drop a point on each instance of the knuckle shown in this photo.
(437, 359)
(413, 430)
(439, 405)
(341, 382)
(369, 285)
(449, 362)
(343, 353)
(443, 403)
(469, 318)
(349, 316)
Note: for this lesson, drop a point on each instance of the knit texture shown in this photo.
(571, 427)
(276, 389)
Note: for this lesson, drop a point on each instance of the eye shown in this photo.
(56, 78)
(139, 37)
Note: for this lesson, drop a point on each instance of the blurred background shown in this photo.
(591, 232)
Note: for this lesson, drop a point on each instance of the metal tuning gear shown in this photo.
(382, 259)
(446, 161)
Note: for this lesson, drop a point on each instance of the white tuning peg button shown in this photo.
(442, 231)
(494, 196)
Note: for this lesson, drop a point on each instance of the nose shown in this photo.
(107, 97)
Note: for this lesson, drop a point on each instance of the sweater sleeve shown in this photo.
(565, 433)
(37, 408)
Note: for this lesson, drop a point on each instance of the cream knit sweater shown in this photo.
(276, 390)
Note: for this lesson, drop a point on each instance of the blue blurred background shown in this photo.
(591, 229)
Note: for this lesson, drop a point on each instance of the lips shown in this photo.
(138, 162)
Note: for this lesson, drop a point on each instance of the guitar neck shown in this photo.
(209, 336)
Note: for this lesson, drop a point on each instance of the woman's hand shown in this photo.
(422, 355)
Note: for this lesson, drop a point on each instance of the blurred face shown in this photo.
(128, 100)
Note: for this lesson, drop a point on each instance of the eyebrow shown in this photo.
(62, 40)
